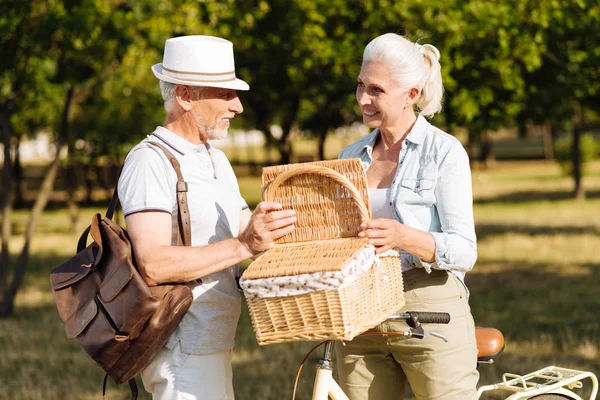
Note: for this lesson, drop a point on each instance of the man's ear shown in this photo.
(183, 97)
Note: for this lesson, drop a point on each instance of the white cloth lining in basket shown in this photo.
(295, 285)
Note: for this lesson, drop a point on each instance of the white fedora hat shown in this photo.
(199, 61)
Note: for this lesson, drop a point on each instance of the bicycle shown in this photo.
(549, 383)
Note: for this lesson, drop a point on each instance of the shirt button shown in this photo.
(390, 203)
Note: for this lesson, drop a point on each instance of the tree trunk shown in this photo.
(18, 174)
(321, 143)
(284, 147)
(486, 155)
(548, 142)
(89, 179)
(579, 191)
(71, 195)
(7, 203)
(8, 291)
(579, 123)
(65, 137)
(36, 212)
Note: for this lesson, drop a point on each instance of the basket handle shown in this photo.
(324, 171)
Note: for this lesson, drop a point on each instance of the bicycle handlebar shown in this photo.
(424, 317)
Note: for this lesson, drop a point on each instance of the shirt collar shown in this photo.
(418, 131)
(177, 143)
(416, 134)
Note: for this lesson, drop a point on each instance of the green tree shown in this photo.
(565, 90)
(27, 104)
(69, 50)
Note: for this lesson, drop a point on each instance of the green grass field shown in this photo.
(537, 279)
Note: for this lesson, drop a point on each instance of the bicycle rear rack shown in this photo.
(545, 380)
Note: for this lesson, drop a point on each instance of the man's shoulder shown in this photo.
(144, 152)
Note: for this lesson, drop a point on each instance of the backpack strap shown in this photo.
(184, 231)
(184, 234)
(132, 386)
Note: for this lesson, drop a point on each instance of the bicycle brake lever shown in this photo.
(437, 335)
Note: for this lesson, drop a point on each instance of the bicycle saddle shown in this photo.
(490, 343)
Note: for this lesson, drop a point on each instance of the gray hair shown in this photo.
(167, 90)
(412, 66)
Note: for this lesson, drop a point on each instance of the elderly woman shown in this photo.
(421, 196)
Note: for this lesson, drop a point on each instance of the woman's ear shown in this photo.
(183, 97)
(413, 94)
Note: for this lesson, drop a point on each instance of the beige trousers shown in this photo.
(378, 367)
(175, 375)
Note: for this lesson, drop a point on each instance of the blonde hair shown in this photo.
(412, 65)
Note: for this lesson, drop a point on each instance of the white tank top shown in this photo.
(381, 208)
(381, 203)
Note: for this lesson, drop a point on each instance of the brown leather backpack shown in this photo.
(108, 307)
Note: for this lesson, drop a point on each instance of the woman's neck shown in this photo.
(391, 136)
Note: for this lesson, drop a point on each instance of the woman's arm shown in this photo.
(455, 247)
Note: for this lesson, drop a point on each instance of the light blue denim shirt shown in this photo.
(431, 191)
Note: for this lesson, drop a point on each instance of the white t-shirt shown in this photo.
(148, 182)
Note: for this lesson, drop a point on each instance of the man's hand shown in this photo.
(268, 222)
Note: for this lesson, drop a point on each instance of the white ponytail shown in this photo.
(430, 99)
(412, 66)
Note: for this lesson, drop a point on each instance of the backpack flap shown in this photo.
(81, 319)
(76, 268)
(86, 260)
(114, 283)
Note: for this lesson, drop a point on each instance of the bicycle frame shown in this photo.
(325, 385)
(546, 380)
(549, 380)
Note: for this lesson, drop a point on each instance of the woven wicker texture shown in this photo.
(335, 314)
(305, 258)
(325, 203)
(331, 201)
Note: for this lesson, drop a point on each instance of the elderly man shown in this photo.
(198, 84)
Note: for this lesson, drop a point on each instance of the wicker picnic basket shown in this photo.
(331, 201)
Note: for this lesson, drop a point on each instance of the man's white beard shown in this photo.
(211, 132)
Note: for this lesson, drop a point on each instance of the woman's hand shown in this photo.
(386, 234)
(383, 233)
(268, 222)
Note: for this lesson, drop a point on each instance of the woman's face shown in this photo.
(382, 102)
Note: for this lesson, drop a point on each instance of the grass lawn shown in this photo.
(537, 279)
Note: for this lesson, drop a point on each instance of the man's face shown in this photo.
(213, 111)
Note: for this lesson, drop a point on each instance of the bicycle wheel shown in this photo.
(551, 396)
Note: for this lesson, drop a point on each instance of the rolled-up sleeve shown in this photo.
(456, 244)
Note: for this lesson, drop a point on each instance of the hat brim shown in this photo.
(236, 84)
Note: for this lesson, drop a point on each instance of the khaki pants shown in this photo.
(378, 367)
(175, 375)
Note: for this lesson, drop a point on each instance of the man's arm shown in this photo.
(159, 262)
(245, 216)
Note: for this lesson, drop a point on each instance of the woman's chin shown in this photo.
(371, 123)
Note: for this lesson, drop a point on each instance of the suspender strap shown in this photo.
(184, 232)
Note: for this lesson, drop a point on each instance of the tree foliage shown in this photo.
(80, 70)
